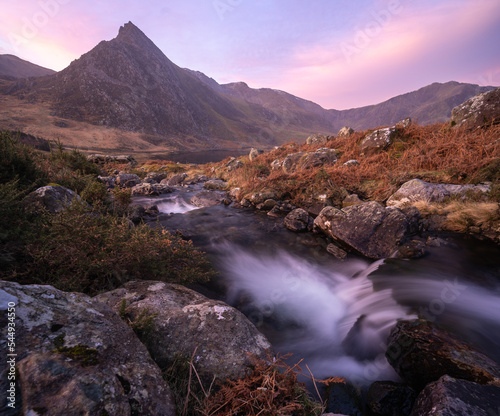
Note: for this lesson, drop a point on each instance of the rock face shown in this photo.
(451, 397)
(53, 198)
(208, 198)
(184, 320)
(479, 110)
(299, 220)
(421, 353)
(369, 228)
(320, 139)
(306, 160)
(77, 357)
(378, 140)
(418, 190)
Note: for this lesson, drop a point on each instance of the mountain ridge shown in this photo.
(13, 67)
(127, 83)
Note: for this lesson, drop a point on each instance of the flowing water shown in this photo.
(337, 315)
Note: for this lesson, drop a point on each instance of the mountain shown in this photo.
(12, 67)
(126, 93)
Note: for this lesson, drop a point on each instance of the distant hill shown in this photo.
(129, 85)
(12, 67)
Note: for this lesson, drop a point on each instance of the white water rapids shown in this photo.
(337, 315)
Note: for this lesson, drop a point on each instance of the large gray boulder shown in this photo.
(378, 140)
(418, 190)
(176, 180)
(183, 320)
(53, 198)
(345, 131)
(421, 352)
(127, 180)
(452, 397)
(299, 220)
(480, 110)
(369, 229)
(75, 356)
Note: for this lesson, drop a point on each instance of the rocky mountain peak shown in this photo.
(131, 34)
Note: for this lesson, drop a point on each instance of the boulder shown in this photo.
(378, 140)
(175, 180)
(451, 397)
(403, 124)
(320, 139)
(259, 197)
(234, 164)
(77, 357)
(109, 181)
(369, 229)
(53, 198)
(151, 189)
(291, 161)
(418, 190)
(413, 249)
(387, 398)
(155, 177)
(480, 110)
(421, 352)
(343, 399)
(276, 164)
(351, 163)
(215, 185)
(127, 180)
(345, 132)
(183, 320)
(299, 220)
(254, 153)
(209, 198)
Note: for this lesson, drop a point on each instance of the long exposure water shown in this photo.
(336, 315)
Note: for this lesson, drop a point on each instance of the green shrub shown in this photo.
(95, 193)
(84, 251)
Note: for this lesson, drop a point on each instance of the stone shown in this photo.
(215, 185)
(343, 398)
(403, 124)
(387, 398)
(291, 161)
(267, 205)
(350, 200)
(418, 190)
(307, 160)
(298, 220)
(127, 180)
(254, 153)
(378, 140)
(259, 197)
(53, 198)
(77, 357)
(320, 139)
(208, 198)
(150, 189)
(155, 177)
(336, 251)
(345, 131)
(369, 229)
(109, 181)
(351, 163)
(175, 180)
(421, 352)
(234, 164)
(452, 397)
(482, 109)
(276, 164)
(184, 320)
(413, 249)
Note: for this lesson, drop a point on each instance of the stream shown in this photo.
(334, 314)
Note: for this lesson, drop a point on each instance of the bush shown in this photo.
(83, 251)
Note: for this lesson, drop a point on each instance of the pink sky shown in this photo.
(340, 54)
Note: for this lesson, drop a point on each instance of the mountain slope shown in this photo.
(12, 67)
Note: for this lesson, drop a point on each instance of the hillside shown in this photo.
(12, 67)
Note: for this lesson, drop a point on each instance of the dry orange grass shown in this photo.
(433, 153)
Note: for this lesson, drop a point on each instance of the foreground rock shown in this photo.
(421, 353)
(184, 320)
(451, 397)
(53, 198)
(387, 398)
(369, 228)
(418, 190)
(480, 110)
(77, 357)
